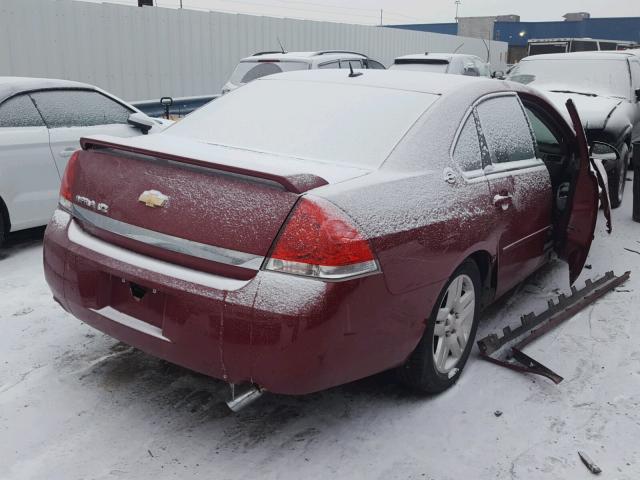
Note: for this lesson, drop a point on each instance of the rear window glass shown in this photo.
(246, 72)
(19, 111)
(335, 123)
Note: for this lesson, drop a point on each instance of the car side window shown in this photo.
(19, 111)
(330, 65)
(79, 108)
(467, 152)
(506, 129)
(374, 65)
(543, 135)
(354, 63)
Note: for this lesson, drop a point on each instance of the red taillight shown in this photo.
(67, 180)
(320, 241)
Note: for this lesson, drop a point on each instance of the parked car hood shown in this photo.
(595, 111)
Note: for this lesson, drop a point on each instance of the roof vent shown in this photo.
(576, 16)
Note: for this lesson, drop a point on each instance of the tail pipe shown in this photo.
(242, 397)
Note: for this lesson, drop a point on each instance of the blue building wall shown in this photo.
(621, 28)
(601, 28)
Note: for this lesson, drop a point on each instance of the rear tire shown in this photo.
(618, 179)
(3, 227)
(438, 360)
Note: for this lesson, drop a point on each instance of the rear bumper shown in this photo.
(287, 334)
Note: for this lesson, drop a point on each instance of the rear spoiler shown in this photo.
(297, 183)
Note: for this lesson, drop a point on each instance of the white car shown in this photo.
(262, 64)
(41, 122)
(453, 63)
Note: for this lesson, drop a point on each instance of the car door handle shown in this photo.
(503, 201)
(67, 152)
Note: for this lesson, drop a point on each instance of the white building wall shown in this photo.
(143, 53)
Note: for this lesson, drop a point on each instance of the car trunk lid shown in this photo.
(203, 206)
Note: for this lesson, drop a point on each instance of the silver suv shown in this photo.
(268, 63)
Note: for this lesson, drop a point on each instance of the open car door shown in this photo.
(582, 204)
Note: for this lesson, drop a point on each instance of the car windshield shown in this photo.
(587, 76)
(248, 71)
(329, 122)
(421, 67)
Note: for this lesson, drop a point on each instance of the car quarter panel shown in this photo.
(29, 180)
(433, 216)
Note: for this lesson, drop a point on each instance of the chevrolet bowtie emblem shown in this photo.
(153, 198)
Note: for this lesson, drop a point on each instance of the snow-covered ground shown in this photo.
(75, 404)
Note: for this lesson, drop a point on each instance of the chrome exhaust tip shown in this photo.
(244, 397)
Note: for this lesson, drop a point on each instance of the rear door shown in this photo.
(580, 221)
(520, 188)
(70, 114)
(29, 180)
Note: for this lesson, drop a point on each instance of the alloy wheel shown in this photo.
(453, 323)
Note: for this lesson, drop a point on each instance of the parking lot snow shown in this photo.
(75, 403)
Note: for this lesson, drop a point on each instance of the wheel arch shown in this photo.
(486, 264)
(4, 213)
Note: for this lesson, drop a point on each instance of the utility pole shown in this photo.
(381, 13)
(457, 2)
(180, 3)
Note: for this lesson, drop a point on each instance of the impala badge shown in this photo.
(153, 198)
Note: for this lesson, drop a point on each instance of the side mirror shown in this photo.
(499, 74)
(604, 152)
(141, 121)
(637, 94)
(166, 102)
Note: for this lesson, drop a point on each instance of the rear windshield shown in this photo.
(588, 76)
(248, 71)
(421, 67)
(329, 122)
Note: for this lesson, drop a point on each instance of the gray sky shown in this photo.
(408, 11)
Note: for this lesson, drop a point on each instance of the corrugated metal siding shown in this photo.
(142, 53)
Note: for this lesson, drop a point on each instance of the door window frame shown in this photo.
(469, 175)
(491, 168)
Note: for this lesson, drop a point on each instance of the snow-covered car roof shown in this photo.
(436, 56)
(596, 55)
(10, 86)
(303, 56)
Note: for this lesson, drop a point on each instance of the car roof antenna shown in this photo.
(353, 74)
(281, 46)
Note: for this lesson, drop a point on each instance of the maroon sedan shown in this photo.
(314, 228)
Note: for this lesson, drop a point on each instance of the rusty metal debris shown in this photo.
(506, 351)
(590, 464)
